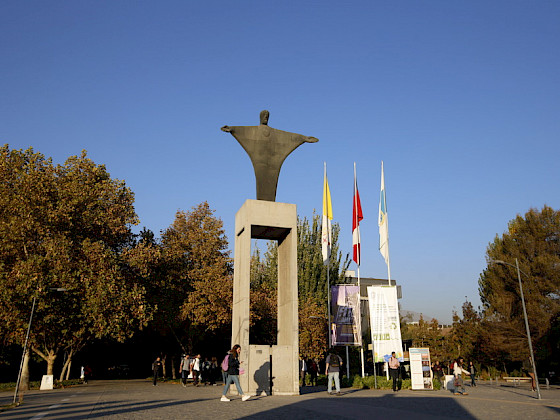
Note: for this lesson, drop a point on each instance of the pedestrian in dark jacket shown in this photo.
(233, 374)
(156, 367)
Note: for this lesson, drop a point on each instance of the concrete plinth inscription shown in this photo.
(259, 219)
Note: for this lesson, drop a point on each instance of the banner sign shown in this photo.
(346, 328)
(385, 322)
(420, 368)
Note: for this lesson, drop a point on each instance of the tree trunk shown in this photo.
(66, 367)
(173, 375)
(68, 370)
(24, 382)
(163, 364)
(51, 357)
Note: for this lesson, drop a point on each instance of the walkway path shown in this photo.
(138, 399)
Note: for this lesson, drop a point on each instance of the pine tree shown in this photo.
(534, 240)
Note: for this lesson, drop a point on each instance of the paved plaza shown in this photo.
(138, 399)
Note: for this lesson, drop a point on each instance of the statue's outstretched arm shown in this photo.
(311, 139)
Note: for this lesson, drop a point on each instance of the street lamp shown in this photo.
(54, 289)
(525, 316)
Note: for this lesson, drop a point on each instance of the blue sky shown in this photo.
(459, 99)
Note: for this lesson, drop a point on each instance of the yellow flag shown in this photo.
(326, 230)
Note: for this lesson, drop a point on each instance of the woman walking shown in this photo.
(458, 372)
(472, 369)
(233, 374)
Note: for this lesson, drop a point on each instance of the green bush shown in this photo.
(382, 383)
(358, 382)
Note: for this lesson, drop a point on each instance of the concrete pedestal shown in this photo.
(258, 219)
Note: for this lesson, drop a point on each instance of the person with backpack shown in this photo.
(332, 370)
(233, 373)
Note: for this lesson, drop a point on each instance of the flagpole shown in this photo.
(328, 278)
(388, 254)
(386, 222)
(359, 260)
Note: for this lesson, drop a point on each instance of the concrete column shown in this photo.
(258, 219)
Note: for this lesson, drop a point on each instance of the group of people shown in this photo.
(205, 372)
(308, 367)
(458, 368)
(208, 371)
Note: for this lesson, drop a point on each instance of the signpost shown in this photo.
(420, 369)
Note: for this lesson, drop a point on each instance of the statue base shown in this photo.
(258, 219)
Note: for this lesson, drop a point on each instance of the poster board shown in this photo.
(385, 322)
(346, 328)
(420, 369)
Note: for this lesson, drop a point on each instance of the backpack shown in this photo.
(334, 361)
(225, 363)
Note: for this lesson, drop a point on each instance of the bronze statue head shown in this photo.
(264, 117)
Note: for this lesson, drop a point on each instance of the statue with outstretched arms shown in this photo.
(268, 148)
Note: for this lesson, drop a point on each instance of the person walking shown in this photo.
(472, 369)
(205, 371)
(394, 366)
(233, 374)
(184, 368)
(156, 366)
(438, 371)
(302, 370)
(527, 368)
(332, 370)
(313, 370)
(195, 370)
(457, 372)
(213, 370)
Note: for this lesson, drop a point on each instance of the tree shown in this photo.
(65, 226)
(312, 286)
(465, 337)
(535, 241)
(313, 330)
(312, 272)
(195, 285)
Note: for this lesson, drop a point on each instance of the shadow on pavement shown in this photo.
(84, 411)
(382, 407)
(555, 409)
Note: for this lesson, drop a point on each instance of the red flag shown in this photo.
(357, 217)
